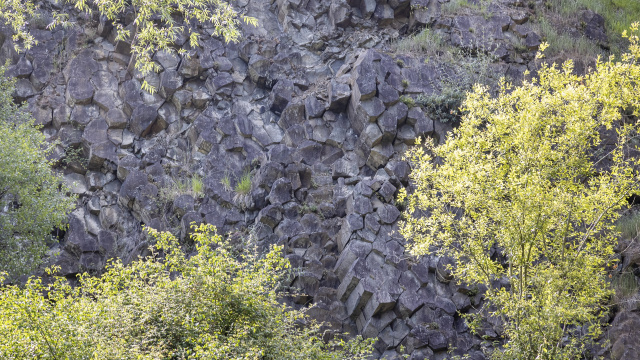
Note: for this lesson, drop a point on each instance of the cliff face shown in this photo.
(314, 108)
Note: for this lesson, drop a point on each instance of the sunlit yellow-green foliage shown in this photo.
(16, 13)
(525, 194)
(218, 304)
(32, 200)
(155, 25)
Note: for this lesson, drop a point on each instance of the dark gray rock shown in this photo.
(22, 69)
(170, 82)
(387, 94)
(270, 215)
(106, 242)
(116, 119)
(190, 66)
(131, 186)
(280, 191)
(313, 107)
(92, 261)
(345, 167)
(367, 7)
(384, 14)
(81, 67)
(288, 229)
(380, 155)
(388, 213)
(259, 70)
(293, 114)
(388, 124)
(359, 205)
(365, 112)
(219, 84)
(168, 59)
(372, 136)
(339, 94)
(594, 28)
(77, 240)
(387, 191)
(142, 120)
(130, 91)
(24, 90)
(281, 95)
(183, 204)
(339, 13)
(533, 41)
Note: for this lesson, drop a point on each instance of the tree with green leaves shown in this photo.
(221, 303)
(523, 196)
(33, 199)
(156, 24)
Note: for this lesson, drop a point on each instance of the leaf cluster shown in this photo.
(156, 24)
(33, 200)
(221, 303)
(519, 199)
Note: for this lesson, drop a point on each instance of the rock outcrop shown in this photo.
(313, 107)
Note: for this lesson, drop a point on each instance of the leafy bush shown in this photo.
(519, 199)
(33, 199)
(221, 303)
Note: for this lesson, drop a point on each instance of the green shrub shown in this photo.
(222, 303)
(408, 100)
(518, 201)
(33, 199)
(444, 105)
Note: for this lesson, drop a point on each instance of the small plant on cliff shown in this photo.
(197, 186)
(629, 226)
(221, 303)
(226, 183)
(180, 186)
(243, 190)
(517, 198)
(243, 187)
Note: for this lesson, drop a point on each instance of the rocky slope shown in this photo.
(312, 106)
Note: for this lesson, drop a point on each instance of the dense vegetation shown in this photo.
(33, 200)
(221, 303)
(524, 195)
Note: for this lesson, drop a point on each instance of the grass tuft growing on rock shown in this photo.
(628, 226)
(243, 187)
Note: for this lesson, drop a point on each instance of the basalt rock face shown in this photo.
(310, 104)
